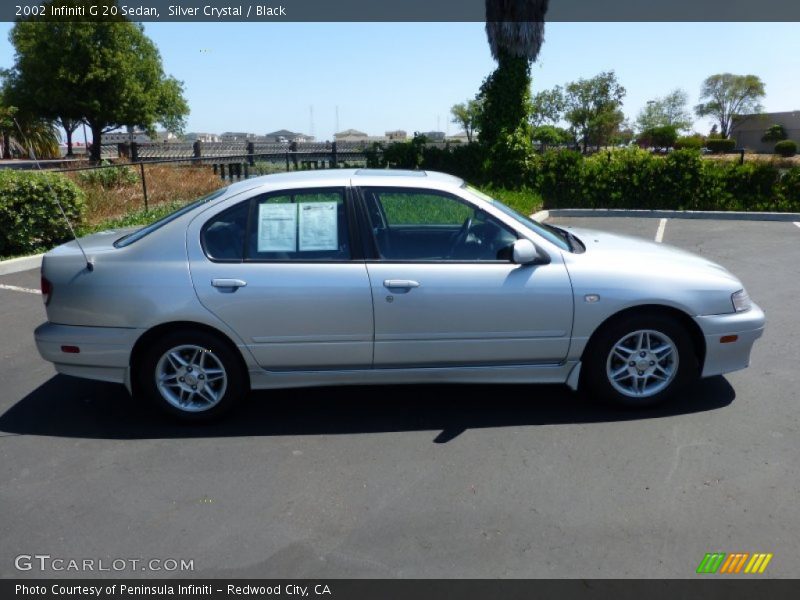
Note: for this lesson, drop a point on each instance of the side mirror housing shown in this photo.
(525, 253)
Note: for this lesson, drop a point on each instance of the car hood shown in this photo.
(646, 257)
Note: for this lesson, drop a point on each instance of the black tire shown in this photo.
(212, 396)
(599, 364)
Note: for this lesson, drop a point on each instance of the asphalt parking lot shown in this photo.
(423, 481)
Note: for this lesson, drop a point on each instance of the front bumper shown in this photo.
(721, 357)
(104, 351)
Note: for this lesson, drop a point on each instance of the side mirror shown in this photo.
(525, 253)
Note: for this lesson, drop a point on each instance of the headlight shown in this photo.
(741, 301)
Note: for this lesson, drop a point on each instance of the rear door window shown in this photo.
(299, 225)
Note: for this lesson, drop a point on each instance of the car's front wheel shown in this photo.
(639, 360)
(192, 375)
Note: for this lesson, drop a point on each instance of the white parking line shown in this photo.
(16, 288)
(660, 233)
(797, 223)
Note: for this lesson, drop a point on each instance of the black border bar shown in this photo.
(707, 587)
(423, 10)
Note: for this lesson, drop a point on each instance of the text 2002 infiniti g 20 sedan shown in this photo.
(364, 276)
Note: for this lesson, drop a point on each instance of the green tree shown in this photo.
(726, 95)
(663, 136)
(670, 110)
(466, 114)
(775, 133)
(105, 72)
(593, 108)
(515, 31)
(624, 134)
(550, 135)
(547, 107)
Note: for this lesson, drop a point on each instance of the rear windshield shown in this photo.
(129, 239)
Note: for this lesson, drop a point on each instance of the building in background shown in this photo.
(194, 136)
(461, 137)
(351, 135)
(748, 130)
(398, 135)
(237, 136)
(434, 136)
(283, 136)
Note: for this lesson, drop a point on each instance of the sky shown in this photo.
(261, 77)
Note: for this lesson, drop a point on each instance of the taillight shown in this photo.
(47, 289)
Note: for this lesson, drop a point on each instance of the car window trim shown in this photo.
(369, 244)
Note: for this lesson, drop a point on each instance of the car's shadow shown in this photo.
(69, 407)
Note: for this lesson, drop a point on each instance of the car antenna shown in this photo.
(89, 265)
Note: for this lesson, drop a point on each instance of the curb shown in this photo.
(718, 215)
(23, 263)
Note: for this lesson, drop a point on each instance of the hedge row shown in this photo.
(30, 219)
(682, 180)
(629, 178)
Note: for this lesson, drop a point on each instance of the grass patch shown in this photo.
(135, 218)
(116, 197)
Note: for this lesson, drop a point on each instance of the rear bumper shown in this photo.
(721, 357)
(104, 351)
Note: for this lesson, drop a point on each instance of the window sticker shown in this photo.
(277, 227)
(318, 226)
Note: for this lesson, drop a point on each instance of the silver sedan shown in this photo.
(382, 277)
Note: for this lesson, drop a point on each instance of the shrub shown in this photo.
(109, 177)
(690, 142)
(721, 145)
(30, 219)
(775, 133)
(509, 161)
(750, 185)
(786, 148)
(619, 179)
(787, 191)
(462, 160)
(558, 176)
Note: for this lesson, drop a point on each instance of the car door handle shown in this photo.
(405, 284)
(228, 283)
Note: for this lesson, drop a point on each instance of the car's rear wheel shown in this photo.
(192, 375)
(639, 360)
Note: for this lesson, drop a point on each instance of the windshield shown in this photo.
(554, 235)
(127, 240)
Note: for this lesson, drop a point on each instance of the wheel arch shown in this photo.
(691, 326)
(157, 331)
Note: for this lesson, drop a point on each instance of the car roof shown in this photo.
(385, 177)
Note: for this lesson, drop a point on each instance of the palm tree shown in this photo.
(515, 29)
(21, 134)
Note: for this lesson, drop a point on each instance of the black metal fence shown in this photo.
(227, 160)
(330, 152)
